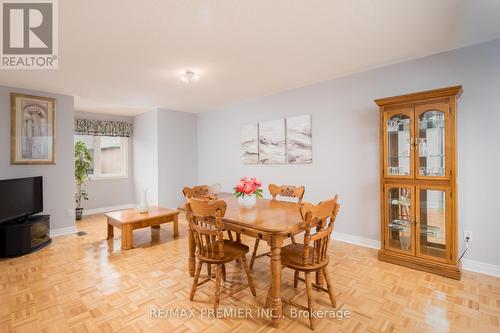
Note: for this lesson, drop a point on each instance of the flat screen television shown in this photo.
(20, 198)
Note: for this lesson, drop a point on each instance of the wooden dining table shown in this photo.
(272, 221)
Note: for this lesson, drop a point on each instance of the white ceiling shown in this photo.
(125, 56)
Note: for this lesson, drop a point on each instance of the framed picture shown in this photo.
(299, 141)
(272, 142)
(33, 129)
(250, 144)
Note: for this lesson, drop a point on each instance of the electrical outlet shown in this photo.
(71, 212)
(468, 234)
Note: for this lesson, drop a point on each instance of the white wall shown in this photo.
(145, 147)
(346, 140)
(165, 155)
(177, 147)
(58, 179)
(110, 192)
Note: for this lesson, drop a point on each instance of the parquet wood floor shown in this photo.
(87, 284)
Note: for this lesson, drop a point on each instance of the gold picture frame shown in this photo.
(33, 129)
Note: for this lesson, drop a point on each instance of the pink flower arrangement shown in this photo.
(248, 186)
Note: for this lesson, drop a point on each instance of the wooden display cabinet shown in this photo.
(418, 161)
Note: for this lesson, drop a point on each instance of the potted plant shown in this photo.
(83, 163)
(247, 191)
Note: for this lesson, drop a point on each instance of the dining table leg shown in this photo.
(191, 255)
(275, 301)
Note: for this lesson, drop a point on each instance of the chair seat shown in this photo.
(292, 257)
(232, 250)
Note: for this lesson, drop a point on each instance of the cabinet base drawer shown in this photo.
(451, 271)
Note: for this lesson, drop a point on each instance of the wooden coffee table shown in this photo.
(130, 219)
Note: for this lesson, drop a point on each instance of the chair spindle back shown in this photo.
(322, 216)
(205, 223)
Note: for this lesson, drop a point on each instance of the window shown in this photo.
(109, 155)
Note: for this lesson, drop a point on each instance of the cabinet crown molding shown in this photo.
(423, 95)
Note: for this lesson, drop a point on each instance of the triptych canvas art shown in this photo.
(278, 141)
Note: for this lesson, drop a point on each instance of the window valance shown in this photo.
(102, 128)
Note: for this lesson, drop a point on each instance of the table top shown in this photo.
(132, 215)
(267, 215)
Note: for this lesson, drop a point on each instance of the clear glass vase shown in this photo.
(247, 201)
(144, 205)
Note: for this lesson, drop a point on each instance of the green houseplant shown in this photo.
(83, 163)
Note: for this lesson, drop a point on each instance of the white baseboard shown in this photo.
(480, 267)
(106, 209)
(62, 231)
(467, 264)
(356, 240)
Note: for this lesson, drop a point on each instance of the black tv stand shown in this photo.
(23, 236)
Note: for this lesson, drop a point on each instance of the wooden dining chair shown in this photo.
(205, 223)
(203, 192)
(289, 191)
(199, 191)
(311, 256)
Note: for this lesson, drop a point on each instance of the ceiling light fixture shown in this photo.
(189, 77)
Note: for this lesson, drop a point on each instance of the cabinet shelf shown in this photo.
(428, 156)
(398, 131)
(422, 129)
(400, 204)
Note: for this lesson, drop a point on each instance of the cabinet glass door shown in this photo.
(432, 222)
(431, 142)
(399, 219)
(398, 145)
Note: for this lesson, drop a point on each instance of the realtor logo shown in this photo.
(29, 34)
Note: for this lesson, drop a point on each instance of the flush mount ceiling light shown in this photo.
(189, 77)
